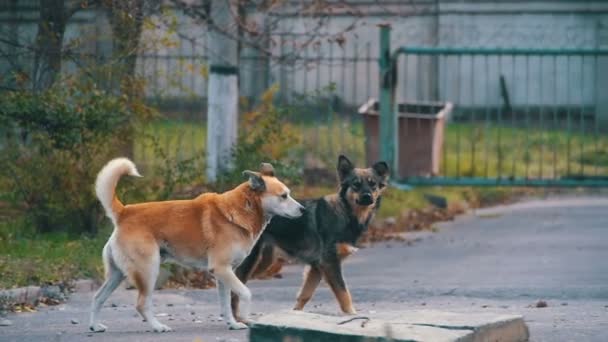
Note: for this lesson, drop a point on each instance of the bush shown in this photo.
(171, 178)
(53, 146)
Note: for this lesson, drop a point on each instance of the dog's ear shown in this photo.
(345, 167)
(266, 169)
(381, 169)
(255, 180)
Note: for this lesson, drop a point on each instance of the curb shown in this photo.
(22, 295)
(410, 326)
(30, 295)
(84, 286)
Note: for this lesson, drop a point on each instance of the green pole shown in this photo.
(387, 122)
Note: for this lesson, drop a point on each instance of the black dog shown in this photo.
(325, 234)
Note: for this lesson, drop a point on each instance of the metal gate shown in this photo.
(521, 117)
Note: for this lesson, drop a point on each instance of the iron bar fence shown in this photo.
(322, 91)
(521, 117)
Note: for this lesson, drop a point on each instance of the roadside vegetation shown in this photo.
(29, 258)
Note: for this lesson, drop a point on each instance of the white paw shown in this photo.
(98, 327)
(246, 321)
(349, 312)
(237, 326)
(160, 328)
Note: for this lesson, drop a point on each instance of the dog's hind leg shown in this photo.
(144, 280)
(332, 272)
(312, 278)
(266, 260)
(114, 277)
(228, 281)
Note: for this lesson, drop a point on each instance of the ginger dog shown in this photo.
(212, 231)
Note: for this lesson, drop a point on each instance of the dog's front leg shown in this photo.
(224, 297)
(244, 272)
(332, 272)
(312, 277)
(228, 281)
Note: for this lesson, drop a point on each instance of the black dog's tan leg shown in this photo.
(312, 278)
(265, 261)
(344, 250)
(332, 272)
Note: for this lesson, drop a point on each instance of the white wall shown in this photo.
(474, 81)
(532, 24)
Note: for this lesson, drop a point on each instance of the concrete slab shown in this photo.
(419, 325)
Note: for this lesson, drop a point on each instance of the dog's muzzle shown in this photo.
(365, 199)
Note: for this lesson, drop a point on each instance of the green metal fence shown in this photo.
(521, 117)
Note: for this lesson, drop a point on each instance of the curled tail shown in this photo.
(105, 185)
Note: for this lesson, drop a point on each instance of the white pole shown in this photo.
(223, 92)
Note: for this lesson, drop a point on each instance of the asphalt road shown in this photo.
(501, 260)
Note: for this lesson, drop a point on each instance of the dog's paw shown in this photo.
(161, 328)
(349, 312)
(98, 328)
(245, 321)
(237, 326)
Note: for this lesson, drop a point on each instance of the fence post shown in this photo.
(387, 121)
(601, 86)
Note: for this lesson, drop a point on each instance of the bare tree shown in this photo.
(54, 15)
(259, 32)
(126, 18)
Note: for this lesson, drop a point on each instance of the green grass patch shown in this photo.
(179, 140)
(593, 157)
(327, 139)
(479, 150)
(182, 140)
(470, 149)
(27, 258)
